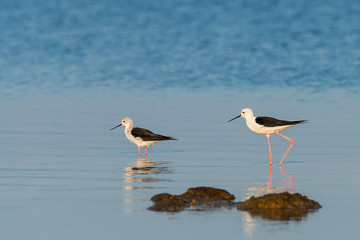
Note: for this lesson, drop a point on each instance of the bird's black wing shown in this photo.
(273, 122)
(148, 135)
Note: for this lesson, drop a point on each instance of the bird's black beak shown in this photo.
(116, 127)
(235, 118)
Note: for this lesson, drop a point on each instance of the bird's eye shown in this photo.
(243, 112)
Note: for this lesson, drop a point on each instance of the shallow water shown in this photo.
(71, 70)
(64, 175)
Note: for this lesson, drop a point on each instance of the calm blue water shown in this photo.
(70, 70)
(52, 45)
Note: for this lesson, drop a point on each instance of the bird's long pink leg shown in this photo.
(145, 151)
(139, 152)
(268, 137)
(292, 143)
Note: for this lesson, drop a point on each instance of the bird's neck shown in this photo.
(128, 129)
(250, 122)
(128, 134)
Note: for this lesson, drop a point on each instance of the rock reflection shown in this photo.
(283, 214)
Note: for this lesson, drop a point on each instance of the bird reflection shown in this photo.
(287, 183)
(140, 175)
(270, 179)
(249, 224)
(273, 186)
(141, 171)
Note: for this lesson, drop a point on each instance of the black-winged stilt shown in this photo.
(267, 126)
(140, 136)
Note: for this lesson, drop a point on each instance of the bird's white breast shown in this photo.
(253, 126)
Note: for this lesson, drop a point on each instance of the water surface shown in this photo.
(71, 70)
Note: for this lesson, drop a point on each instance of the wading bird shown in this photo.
(140, 136)
(267, 126)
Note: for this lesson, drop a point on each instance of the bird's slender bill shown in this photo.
(116, 126)
(235, 118)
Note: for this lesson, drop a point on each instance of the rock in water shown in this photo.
(199, 197)
(279, 206)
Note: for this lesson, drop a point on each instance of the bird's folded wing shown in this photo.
(273, 122)
(147, 135)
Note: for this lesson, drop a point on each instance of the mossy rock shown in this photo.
(197, 197)
(283, 200)
(279, 206)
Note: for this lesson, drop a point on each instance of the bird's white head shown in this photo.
(245, 113)
(127, 122)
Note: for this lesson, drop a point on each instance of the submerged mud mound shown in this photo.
(279, 206)
(208, 197)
